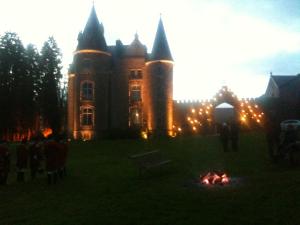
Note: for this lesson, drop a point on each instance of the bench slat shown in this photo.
(158, 164)
(143, 154)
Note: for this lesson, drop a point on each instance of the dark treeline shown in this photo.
(30, 89)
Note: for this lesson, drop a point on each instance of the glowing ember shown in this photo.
(214, 178)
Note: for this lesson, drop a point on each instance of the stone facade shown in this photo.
(120, 88)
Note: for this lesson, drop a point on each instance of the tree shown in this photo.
(32, 88)
(12, 76)
(50, 92)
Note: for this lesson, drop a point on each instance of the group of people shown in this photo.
(229, 135)
(37, 156)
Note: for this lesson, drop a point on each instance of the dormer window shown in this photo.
(135, 74)
(87, 90)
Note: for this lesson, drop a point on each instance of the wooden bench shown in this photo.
(149, 160)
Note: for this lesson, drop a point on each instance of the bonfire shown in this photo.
(214, 178)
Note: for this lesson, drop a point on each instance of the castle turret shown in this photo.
(89, 83)
(159, 86)
(92, 36)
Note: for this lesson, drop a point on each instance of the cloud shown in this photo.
(283, 63)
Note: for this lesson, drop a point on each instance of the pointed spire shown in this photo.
(161, 50)
(136, 36)
(136, 41)
(92, 36)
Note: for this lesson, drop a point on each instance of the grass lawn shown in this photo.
(104, 187)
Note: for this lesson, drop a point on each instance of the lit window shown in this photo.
(135, 93)
(135, 116)
(87, 116)
(87, 90)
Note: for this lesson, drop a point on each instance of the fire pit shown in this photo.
(214, 178)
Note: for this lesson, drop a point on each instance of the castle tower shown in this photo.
(89, 83)
(119, 88)
(159, 86)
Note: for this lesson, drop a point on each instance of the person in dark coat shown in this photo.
(62, 157)
(234, 135)
(51, 150)
(224, 136)
(22, 160)
(35, 157)
(4, 162)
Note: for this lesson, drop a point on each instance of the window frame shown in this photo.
(135, 88)
(87, 116)
(136, 74)
(90, 95)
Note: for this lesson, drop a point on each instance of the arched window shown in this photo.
(87, 116)
(87, 90)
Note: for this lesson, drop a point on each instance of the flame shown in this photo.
(47, 132)
(214, 178)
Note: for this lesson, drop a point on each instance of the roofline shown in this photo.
(274, 82)
(293, 77)
(162, 61)
(91, 51)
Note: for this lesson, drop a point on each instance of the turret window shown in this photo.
(87, 90)
(135, 74)
(87, 116)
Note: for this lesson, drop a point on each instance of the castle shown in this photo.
(121, 87)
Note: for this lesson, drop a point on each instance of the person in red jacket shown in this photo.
(22, 160)
(4, 162)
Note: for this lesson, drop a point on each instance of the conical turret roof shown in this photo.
(161, 50)
(92, 36)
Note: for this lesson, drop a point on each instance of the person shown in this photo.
(63, 154)
(272, 131)
(234, 135)
(35, 157)
(22, 160)
(224, 136)
(4, 162)
(51, 150)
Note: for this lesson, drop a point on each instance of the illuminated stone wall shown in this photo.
(159, 97)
